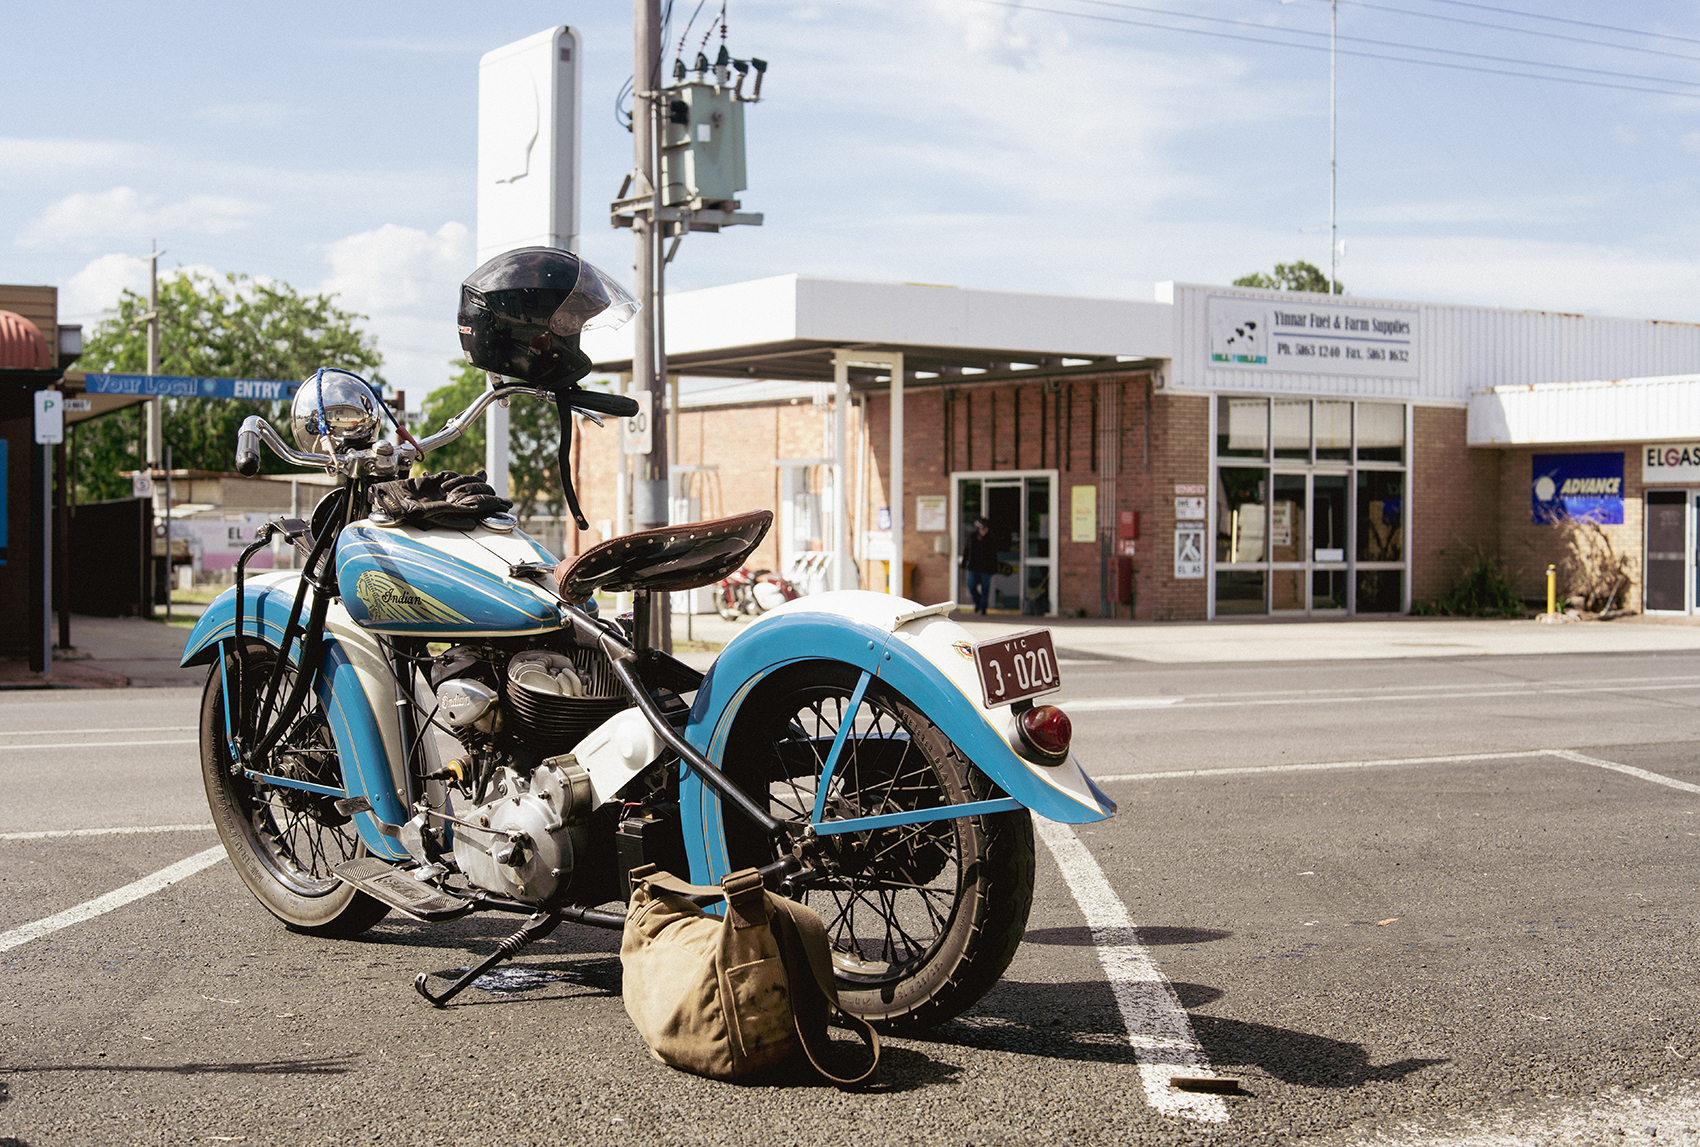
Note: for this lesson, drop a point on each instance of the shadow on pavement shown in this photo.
(1080, 936)
(1079, 1021)
(336, 1065)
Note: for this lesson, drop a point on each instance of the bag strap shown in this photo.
(667, 882)
(806, 953)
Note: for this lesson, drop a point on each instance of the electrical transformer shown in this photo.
(702, 150)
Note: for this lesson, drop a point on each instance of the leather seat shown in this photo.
(670, 558)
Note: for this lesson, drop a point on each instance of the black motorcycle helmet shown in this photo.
(521, 314)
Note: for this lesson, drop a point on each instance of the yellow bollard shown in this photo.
(1552, 590)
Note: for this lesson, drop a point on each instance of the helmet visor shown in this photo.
(596, 301)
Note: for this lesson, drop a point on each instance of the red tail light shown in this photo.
(1047, 730)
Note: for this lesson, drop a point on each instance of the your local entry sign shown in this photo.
(1577, 486)
(181, 386)
(1312, 337)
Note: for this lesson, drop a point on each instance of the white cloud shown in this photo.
(85, 219)
(408, 282)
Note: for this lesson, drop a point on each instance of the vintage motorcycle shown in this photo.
(432, 717)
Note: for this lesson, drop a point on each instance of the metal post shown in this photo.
(1333, 165)
(45, 511)
(894, 583)
(170, 574)
(840, 471)
(1552, 590)
(649, 364)
(496, 444)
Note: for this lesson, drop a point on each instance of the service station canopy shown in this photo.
(791, 326)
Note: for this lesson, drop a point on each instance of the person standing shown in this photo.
(980, 559)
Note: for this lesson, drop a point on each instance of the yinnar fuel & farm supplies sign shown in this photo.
(1577, 486)
(1312, 337)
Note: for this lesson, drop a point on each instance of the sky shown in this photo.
(1089, 147)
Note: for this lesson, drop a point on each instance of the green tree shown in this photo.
(1298, 276)
(236, 327)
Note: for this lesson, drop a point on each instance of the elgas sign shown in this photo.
(1672, 463)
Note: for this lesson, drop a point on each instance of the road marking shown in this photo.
(65, 732)
(1157, 1026)
(1631, 770)
(136, 830)
(91, 745)
(1452, 759)
(117, 898)
(1101, 704)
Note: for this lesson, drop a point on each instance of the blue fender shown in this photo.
(354, 727)
(804, 632)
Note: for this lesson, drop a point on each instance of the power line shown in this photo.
(1563, 20)
(1392, 44)
(1592, 43)
(1024, 7)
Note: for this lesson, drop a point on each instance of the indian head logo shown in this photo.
(391, 601)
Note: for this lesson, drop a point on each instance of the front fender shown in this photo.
(354, 724)
(926, 660)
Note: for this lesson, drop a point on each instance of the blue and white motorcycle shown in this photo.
(431, 717)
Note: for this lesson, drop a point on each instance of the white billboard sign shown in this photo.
(1672, 462)
(1312, 337)
(528, 143)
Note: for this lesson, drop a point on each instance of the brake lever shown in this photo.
(590, 415)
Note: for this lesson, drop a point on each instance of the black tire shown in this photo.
(283, 842)
(923, 918)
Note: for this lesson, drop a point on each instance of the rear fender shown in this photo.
(351, 675)
(928, 660)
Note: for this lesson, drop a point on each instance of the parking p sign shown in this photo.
(49, 417)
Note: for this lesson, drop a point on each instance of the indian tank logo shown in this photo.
(963, 648)
(389, 600)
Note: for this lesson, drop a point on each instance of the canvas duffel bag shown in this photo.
(734, 995)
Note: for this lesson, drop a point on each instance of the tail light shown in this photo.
(1045, 731)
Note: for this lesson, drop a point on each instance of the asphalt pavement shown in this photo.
(1441, 897)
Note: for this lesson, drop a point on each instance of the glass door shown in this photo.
(1308, 520)
(1019, 509)
(1671, 585)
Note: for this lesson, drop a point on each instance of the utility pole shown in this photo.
(650, 489)
(156, 421)
(1333, 155)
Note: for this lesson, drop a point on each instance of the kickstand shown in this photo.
(535, 928)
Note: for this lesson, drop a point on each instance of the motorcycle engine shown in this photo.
(519, 715)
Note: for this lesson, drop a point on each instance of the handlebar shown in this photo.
(256, 429)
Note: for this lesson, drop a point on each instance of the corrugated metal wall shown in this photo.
(1644, 410)
(1460, 350)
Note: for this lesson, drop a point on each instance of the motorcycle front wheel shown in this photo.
(283, 842)
(923, 918)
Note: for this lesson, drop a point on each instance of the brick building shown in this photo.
(1215, 452)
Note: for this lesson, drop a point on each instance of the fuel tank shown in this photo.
(452, 583)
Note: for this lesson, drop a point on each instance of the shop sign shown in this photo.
(1189, 509)
(931, 513)
(1577, 486)
(1084, 523)
(1677, 462)
(1189, 552)
(1312, 337)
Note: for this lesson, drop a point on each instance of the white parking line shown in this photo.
(117, 898)
(1451, 759)
(1157, 1026)
(50, 834)
(67, 732)
(1325, 697)
(91, 745)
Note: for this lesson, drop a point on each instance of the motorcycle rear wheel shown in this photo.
(283, 842)
(923, 918)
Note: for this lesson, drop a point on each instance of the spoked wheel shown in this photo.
(726, 603)
(285, 841)
(923, 918)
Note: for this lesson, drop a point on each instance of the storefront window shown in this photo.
(1381, 432)
(1310, 505)
(1239, 591)
(1242, 427)
(1334, 431)
(1242, 497)
(1381, 516)
(1290, 427)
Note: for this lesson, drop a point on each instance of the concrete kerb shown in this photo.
(113, 652)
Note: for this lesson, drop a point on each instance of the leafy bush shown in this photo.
(1483, 590)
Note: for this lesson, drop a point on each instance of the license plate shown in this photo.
(1016, 667)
